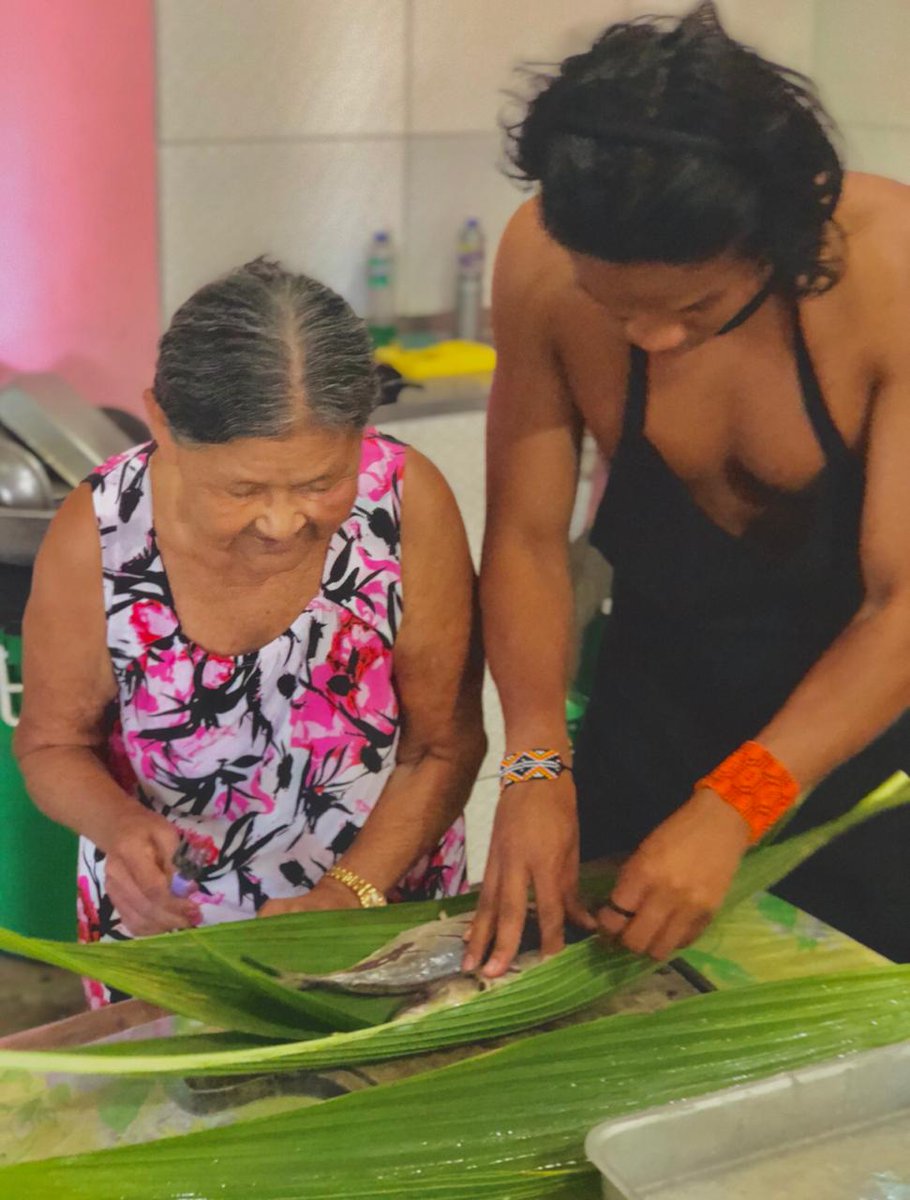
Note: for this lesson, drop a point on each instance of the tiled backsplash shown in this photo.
(296, 127)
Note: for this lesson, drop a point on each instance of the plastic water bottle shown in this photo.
(381, 289)
(469, 288)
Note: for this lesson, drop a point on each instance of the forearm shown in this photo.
(853, 693)
(70, 785)
(425, 793)
(526, 597)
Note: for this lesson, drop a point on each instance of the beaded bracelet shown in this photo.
(531, 764)
(760, 788)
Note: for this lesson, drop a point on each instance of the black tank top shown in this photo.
(710, 633)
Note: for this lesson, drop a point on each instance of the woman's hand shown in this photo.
(534, 844)
(327, 894)
(672, 886)
(138, 873)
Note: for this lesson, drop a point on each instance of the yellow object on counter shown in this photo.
(439, 360)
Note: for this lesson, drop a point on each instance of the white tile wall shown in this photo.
(232, 69)
(862, 56)
(479, 816)
(879, 151)
(254, 97)
(451, 177)
(222, 204)
(782, 30)
(465, 51)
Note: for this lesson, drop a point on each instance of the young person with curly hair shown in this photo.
(699, 284)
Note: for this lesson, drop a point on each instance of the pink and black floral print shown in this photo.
(270, 761)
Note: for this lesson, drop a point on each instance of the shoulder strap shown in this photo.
(633, 422)
(829, 436)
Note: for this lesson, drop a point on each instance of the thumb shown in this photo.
(165, 839)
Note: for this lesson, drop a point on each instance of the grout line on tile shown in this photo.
(815, 31)
(159, 140)
(876, 126)
(284, 139)
(281, 139)
(407, 155)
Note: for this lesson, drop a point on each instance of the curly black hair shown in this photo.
(670, 142)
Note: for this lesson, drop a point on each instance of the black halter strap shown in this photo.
(747, 310)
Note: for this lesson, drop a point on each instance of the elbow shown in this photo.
(476, 747)
(887, 604)
(22, 744)
(469, 750)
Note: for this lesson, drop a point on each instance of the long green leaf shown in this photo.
(566, 983)
(184, 973)
(767, 864)
(508, 1124)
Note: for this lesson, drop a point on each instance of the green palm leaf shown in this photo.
(507, 1124)
(184, 971)
(566, 983)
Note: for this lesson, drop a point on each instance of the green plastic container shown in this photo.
(37, 856)
(582, 685)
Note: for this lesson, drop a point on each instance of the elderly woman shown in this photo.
(254, 635)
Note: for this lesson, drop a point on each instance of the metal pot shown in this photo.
(24, 483)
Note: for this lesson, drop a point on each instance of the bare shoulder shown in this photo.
(68, 571)
(71, 547)
(875, 218)
(541, 314)
(436, 569)
(67, 669)
(528, 256)
(533, 273)
(872, 202)
(426, 493)
(431, 524)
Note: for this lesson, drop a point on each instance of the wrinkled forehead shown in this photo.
(301, 457)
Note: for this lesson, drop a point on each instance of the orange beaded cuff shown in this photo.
(759, 787)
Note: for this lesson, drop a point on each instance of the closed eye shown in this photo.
(702, 305)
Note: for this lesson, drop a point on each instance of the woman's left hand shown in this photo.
(328, 893)
(677, 879)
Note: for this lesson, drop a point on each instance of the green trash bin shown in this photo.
(583, 683)
(37, 856)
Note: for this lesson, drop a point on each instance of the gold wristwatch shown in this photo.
(369, 896)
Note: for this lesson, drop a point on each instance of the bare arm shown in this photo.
(533, 438)
(438, 672)
(68, 687)
(533, 442)
(862, 683)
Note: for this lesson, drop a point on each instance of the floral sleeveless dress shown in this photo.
(269, 761)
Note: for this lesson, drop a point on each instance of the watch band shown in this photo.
(369, 896)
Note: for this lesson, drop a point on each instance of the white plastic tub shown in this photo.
(836, 1131)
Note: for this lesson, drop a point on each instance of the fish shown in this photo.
(449, 993)
(410, 962)
(415, 961)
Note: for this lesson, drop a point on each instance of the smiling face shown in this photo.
(268, 501)
(669, 309)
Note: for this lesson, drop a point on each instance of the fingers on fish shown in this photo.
(408, 963)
